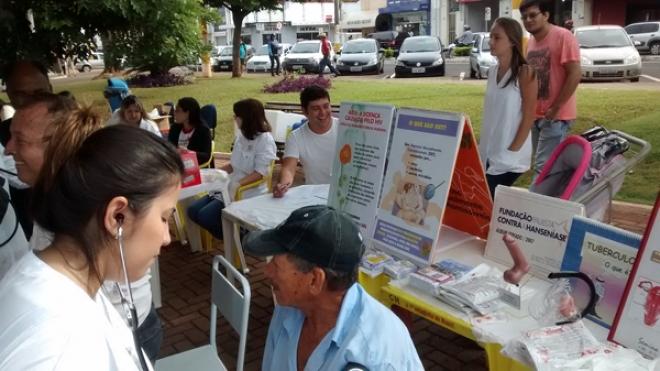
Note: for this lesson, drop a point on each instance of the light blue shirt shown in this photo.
(366, 333)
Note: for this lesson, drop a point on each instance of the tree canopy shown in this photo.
(154, 35)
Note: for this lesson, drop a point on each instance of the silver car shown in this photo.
(95, 60)
(607, 53)
(480, 58)
(645, 36)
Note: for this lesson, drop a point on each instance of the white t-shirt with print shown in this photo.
(49, 323)
(314, 151)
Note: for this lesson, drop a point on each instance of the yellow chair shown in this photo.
(208, 163)
(207, 237)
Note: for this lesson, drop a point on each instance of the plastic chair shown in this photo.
(234, 305)
(268, 179)
(207, 237)
(210, 117)
(208, 164)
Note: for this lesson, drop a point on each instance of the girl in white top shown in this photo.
(505, 145)
(132, 113)
(107, 202)
(254, 150)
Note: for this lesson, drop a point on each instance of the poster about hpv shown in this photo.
(637, 322)
(362, 138)
(539, 223)
(419, 172)
(606, 254)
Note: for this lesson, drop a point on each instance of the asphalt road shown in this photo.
(454, 67)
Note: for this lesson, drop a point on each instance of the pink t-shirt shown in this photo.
(548, 57)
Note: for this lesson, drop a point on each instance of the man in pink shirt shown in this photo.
(554, 52)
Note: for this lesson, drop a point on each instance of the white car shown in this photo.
(607, 53)
(95, 60)
(261, 61)
(305, 56)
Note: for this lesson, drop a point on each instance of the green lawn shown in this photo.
(628, 110)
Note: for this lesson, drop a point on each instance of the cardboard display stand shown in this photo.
(637, 321)
(362, 138)
(539, 223)
(418, 182)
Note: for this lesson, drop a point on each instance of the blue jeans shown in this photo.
(150, 334)
(206, 212)
(326, 62)
(546, 136)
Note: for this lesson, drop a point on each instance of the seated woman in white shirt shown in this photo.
(132, 113)
(254, 149)
(107, 202)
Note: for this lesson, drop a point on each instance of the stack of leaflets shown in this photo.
(428, 280)
(374, 261)
(399, 269)
(475, 291)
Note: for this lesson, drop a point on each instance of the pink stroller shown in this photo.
(590, 168)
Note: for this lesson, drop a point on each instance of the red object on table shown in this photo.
(191, 174)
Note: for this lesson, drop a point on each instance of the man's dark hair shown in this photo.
(10, 67)
(544, 6)
(312, 93)
(336, 280)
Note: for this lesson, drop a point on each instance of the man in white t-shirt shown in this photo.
(313, 144)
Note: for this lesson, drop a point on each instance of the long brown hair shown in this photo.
(253, 117)
(88, 168)
(514, 33)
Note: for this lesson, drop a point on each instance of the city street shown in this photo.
(650, 69)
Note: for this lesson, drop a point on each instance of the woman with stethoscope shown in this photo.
(107, 202)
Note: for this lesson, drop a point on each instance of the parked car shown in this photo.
(386, 39)
(360, 56)
(420, 55)
(607, 53)
(305, 56)
(94, 61)
(645, 36)
(480, 58)
(261, 61)
(225, 61)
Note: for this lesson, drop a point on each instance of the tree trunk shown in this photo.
(111, 61)
(237, 17)
(207, 71)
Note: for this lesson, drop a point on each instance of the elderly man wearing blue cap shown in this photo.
(323, 319)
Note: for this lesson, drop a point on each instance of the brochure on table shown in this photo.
(636, 324)
(539, 223)
(605, 253)
(362, 138)
(417, 180)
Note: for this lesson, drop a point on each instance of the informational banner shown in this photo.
(357, 174)
(637, 321)
(539, 223)
(421, 162)
(469, 204)
(606, 254)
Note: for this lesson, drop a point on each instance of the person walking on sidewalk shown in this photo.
(274, 55)
(326, 61)
(554, 52)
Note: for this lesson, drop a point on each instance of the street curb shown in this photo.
(648, 58)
